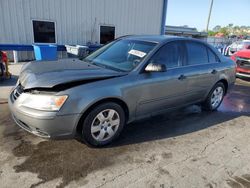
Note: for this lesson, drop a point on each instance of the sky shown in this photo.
(194, 13)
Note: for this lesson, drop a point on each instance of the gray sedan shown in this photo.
(128, 79)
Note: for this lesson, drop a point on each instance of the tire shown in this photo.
(208, 104)
(98, 127)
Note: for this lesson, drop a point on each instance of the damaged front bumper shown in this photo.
(42, 123)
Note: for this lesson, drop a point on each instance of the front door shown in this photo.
(163, 90)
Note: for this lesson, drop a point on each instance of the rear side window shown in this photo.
(212, 57)
(169, 54)
(197, 53)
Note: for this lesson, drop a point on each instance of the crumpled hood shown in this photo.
(52, 73)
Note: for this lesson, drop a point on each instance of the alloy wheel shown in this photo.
(217, 97)
(105, 125)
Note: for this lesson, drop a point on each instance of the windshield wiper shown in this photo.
(107, 67)
(87, 60)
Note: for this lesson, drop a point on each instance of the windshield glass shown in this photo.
(121, 55)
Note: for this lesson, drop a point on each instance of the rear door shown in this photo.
(201, 70)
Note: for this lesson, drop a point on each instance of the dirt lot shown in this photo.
(188, 148)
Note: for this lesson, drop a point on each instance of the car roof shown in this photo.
(152, 38)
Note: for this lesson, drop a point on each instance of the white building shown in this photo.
(78, 21)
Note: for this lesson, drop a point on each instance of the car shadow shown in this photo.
(172, 125)
(187, 120)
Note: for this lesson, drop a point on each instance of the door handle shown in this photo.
(214, 71)
(182, 77)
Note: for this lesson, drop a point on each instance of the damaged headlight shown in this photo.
(42, 102)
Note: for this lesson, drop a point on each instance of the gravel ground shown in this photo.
(187, 148)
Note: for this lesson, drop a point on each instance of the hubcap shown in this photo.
(217, 97)
(105, 125)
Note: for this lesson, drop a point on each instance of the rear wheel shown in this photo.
(215, 97)
(103, 124)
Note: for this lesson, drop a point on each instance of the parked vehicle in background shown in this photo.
(242, 59)
(128, 79)
(239, 45)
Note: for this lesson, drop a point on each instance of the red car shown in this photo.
(242, 59)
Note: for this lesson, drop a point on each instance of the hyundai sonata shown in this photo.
(128, 79)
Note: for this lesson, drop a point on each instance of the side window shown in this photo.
(197, 53)
(170, 55)
(212, 57)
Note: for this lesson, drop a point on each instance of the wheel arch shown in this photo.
(225, 82)
(221, 80)
(105, 100)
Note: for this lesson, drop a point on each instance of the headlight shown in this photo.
(17, 83)
(42, 102)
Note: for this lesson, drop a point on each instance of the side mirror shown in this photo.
(155, 67)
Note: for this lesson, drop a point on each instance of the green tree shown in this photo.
(217, 28)
(225, 31)
(211, 33)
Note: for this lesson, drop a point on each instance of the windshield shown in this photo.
(121, 55)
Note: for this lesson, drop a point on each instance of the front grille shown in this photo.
(17, 92)
(243, 63)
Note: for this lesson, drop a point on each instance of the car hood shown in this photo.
(243, 53)
(53, 73)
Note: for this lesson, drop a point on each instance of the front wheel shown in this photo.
(215, 97)
(103, 124)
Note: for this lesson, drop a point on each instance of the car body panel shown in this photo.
(43, 124)
(157, 93)
(52, 73)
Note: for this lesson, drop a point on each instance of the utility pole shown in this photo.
(209, 14)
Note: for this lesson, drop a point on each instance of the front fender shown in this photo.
(84, 96)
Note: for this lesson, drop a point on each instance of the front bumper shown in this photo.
(240, 72)
(44, 124)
